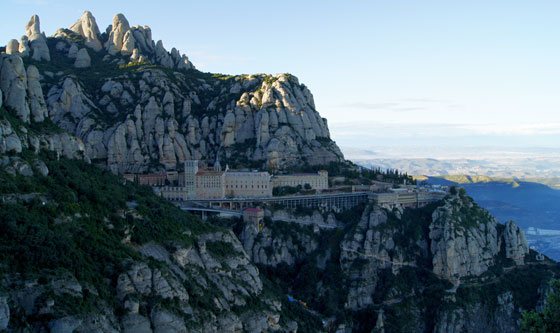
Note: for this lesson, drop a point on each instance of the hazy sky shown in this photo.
(391, 72)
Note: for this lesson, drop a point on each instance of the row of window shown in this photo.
(247, 186)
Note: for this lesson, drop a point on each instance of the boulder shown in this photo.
(12, 47)
(41, 168)
(73, 51)
(82, 59)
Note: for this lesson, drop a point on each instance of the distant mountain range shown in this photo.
(521, 184)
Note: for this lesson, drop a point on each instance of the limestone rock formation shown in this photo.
(83, 59)
(73, 51)
(10, 142)
(86, 26)
(13, 82)
(12, 47)
(372, 244)
(24, 48)
(37, 104)
(266, 247)
(151, 119)
(68, 105)
(515, 243)
(464, 239)
(37, 40)
(478, 318)
(222, 280)
(116, 34)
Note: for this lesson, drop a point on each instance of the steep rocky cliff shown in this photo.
(137, 107)
(447, 267)
(84, 252)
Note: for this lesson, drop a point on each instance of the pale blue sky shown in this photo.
(390, 72)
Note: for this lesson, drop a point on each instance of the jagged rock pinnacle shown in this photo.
(116, 35)
(33, 27)
(87, 27)
(37, 39)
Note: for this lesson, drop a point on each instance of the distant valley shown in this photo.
(518, 185)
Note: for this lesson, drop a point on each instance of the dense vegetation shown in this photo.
(75, 220)
(355, 174)
(547, 320)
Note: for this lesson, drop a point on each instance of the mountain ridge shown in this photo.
(89, 251)
(138, 108)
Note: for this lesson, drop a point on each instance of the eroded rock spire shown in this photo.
(87, 27)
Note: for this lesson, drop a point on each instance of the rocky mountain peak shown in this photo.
(138, 107)
(36, 39)
(117, 32)
(86, 26)
(33, 27)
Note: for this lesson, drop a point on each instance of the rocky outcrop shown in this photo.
(82, 59)
(369, 249)
(150, 119)
(270, 247)
(480, 318)
(68, 106)
(86, 26)
(12, 47)
(155, 298)
(37, 104)
(116, 34)
(9, 140)
(73, 52)
(516, 246)
(37, 40)
(13, 82)
(463, 239)
(24, 48)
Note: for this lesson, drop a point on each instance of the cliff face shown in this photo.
(84, 253)
(465, 240)
(137, 107)
(447, 267)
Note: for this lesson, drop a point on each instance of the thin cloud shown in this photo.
(403, 105)
(442, 129)
(515, 129)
